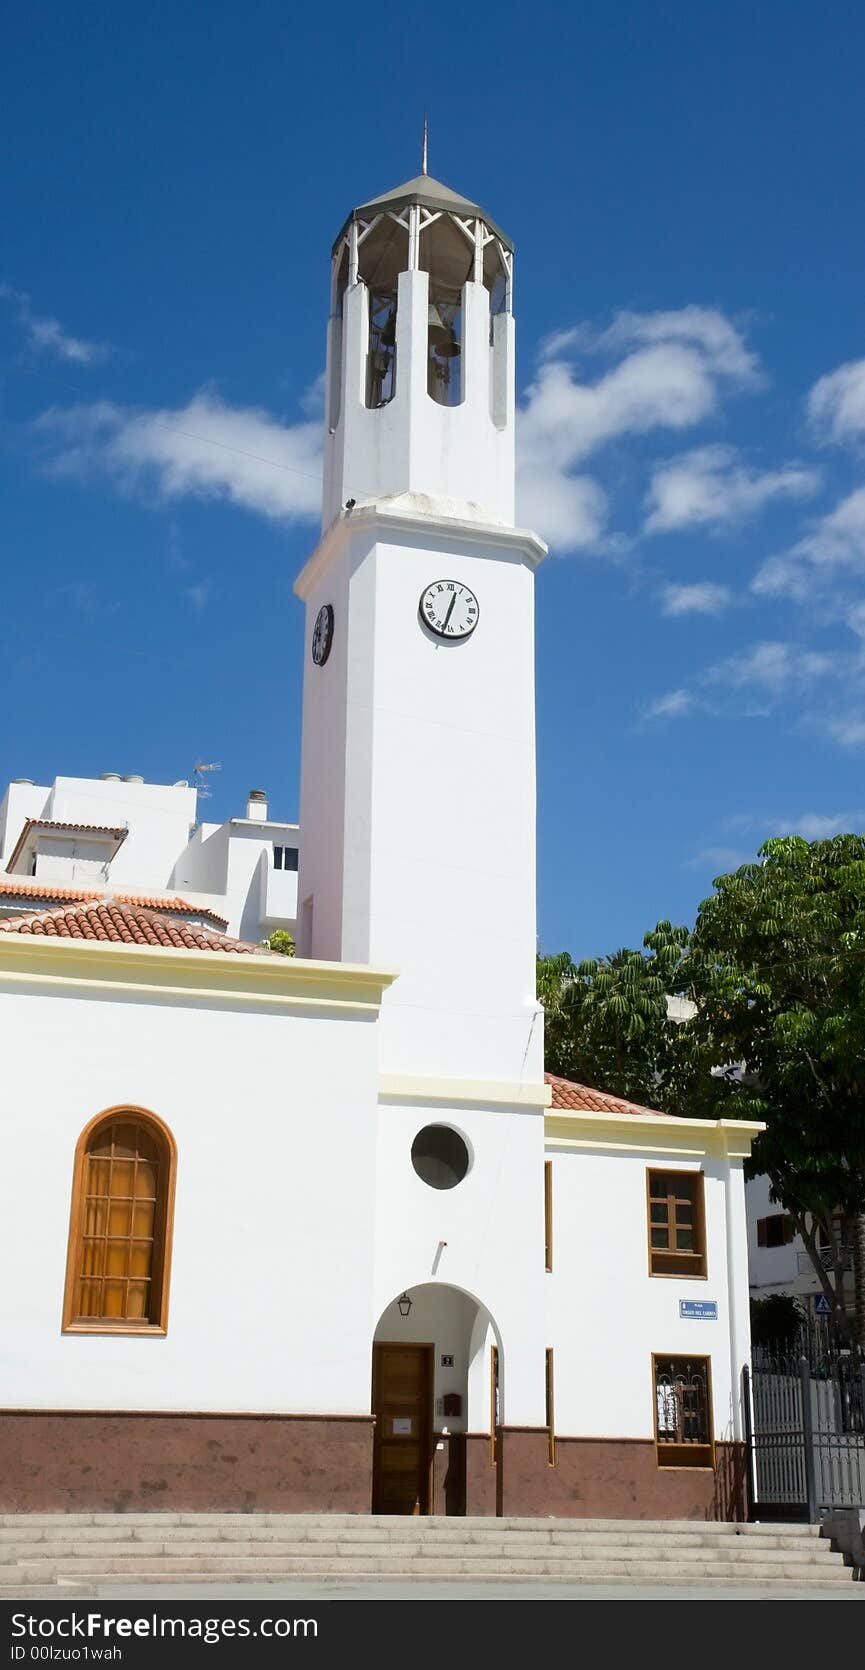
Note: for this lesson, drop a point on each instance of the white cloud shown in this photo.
(719, 859)
(771, 667)
(847, 728)
(820, 826)
(569, 511)
(670, 368)
(836, 541)
(198, 595)
(707, 329)
(47, 335)
(674, 705)
(206, 449)
(704, 597)
(762, 676)
(836, 404)
(709, 487)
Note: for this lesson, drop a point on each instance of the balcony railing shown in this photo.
(805, 1267)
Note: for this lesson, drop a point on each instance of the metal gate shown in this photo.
(807, 1436)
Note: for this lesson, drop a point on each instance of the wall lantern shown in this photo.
(404, 1304)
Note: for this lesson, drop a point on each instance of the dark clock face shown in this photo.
(322, 634)
(449, 609)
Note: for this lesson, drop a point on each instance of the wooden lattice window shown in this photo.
(683, 1411)
(677, 1223)
(120, 1228)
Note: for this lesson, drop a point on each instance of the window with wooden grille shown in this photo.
(120, 1229)
(683, 1411)
(677, 1223)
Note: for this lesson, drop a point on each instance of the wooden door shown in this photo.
(402, 1379)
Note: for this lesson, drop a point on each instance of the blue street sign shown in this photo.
(822, 1306)
(698, 1310)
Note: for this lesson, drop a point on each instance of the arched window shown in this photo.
(120, 1229)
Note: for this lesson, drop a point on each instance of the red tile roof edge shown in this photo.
(80, 895)
(582, 1098)
(108, 920)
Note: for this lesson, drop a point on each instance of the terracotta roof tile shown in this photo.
(124, 924)
(581, 1098)
(49, 890)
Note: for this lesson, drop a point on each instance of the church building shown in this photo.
(317, 1232)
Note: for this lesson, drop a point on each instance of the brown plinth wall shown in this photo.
(606, 1478)
(107, 1463)
(103, 1462)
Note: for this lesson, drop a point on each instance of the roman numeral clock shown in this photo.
(449, 609)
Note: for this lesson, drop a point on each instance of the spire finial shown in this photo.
(423, 160)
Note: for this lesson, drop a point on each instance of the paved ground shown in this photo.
(236, 1594)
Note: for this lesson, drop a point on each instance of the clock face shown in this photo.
(449, 609)
(322, 634)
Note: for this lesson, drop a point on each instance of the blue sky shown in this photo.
(683, 185)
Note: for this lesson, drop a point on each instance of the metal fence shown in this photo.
(808, 1427)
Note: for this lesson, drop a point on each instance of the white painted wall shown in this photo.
(159, 817)
(418, 796)
(20, 802)
(492, 1223)
(272, 1277)
(606, 1315)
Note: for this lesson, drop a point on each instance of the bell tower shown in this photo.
(418, 758)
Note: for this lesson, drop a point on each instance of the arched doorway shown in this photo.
(436, 1377)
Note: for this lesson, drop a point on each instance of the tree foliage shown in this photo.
(606, 1017)
(775, 967)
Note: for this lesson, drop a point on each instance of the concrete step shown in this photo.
(406, 1532)
(408, 1525)
(58, 1555)
(391, 1564)
(154, 1574)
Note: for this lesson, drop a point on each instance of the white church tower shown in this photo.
(418, 774)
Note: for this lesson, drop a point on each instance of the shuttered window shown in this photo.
(117, 1272)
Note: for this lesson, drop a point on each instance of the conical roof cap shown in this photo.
(430, 194)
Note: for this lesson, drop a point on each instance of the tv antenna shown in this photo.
(199, 774)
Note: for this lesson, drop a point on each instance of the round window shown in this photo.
(439, 1156)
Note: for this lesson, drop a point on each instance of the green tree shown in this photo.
(606, 1018)
(776, 967)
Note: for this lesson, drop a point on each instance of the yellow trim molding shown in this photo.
(405, 1087)
(655, 1133)
(236, 978)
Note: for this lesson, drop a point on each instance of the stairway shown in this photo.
(68, 1554)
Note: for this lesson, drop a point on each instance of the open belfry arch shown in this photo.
(453, 1284)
